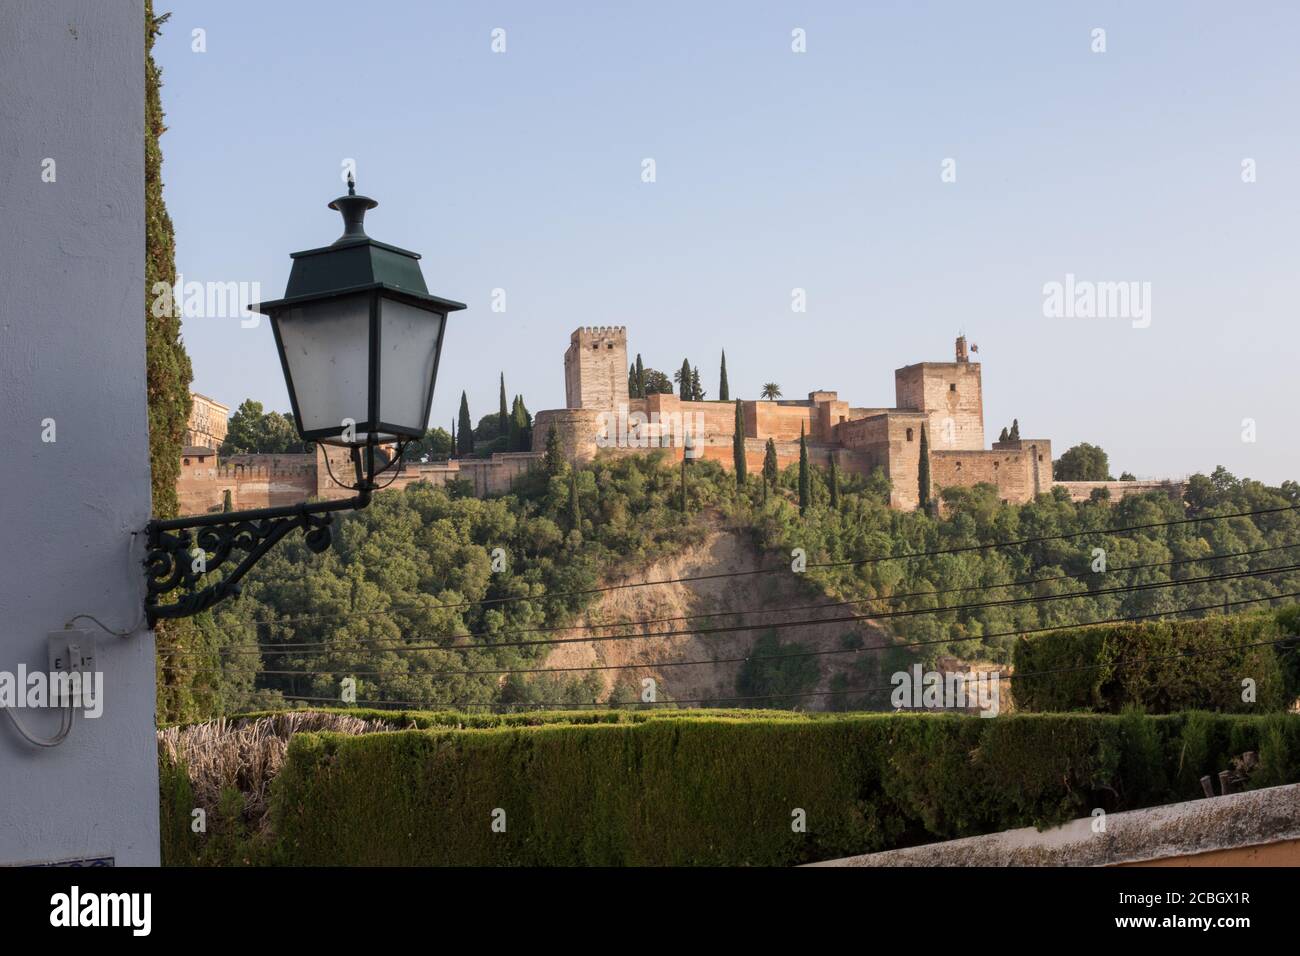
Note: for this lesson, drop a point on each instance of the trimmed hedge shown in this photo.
(706, 790)
(1162, 682)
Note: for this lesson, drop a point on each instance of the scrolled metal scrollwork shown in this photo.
(183, 551)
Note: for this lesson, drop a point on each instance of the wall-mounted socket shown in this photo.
(72, 652)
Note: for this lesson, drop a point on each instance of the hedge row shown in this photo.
(1173, 670)
(681, 791)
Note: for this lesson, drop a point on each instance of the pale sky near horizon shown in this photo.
(778, 170)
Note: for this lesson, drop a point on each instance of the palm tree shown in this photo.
(771, 391)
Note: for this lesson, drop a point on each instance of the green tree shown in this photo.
(1083, 462)
(771, 391)
(436, 443)
(697, 392)
(771, 471)
(657, 383)
(554, 461)
(502, 412)
(683, 378)
(180, 686)
(724, 391)
(1014, 434)
(640, 377)
(631, 382)
(1003, 436)
(805, 491)
(833, 479)
(738, 447)
(251, 431)
(923, 472)
(464, 429)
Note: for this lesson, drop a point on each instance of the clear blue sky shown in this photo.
(779, 170)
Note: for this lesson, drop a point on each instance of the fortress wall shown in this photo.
(578, 429)
(1017, 472)
(1082, 490)
(782, 422)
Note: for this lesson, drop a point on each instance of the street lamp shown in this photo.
(359, 338)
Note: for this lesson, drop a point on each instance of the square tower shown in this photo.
(595, 368)
(952, 397)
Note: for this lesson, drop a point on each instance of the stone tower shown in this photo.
(595, 368)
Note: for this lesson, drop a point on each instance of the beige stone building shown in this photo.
(208, 422)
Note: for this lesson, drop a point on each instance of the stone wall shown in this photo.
(1082, 490)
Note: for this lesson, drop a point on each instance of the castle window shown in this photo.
(909, 434)
(952, 387)
(959, 466)
(1040, 457)
(595, 347)
(995, 465)
(610, 345)
(185, 461)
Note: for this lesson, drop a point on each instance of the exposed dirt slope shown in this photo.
(722, 551)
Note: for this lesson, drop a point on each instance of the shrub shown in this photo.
(1160, 680)
(641, 789)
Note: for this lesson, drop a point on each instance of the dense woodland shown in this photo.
(416, 569)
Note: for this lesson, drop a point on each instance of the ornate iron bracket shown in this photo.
(176, 560)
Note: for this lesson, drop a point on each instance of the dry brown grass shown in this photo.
(246, 754)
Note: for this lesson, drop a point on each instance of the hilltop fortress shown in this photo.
(600, 418)
(946, 398)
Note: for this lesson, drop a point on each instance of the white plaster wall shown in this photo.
(72, 349)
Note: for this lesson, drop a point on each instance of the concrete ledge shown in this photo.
(1211, 825)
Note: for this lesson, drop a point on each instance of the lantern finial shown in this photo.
(353, 209)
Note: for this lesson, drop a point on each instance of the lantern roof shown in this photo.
(356, 263)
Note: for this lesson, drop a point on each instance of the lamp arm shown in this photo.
(175, 560)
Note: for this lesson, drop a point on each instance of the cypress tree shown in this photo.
(738, 447)
(454, 453)
(640, 377)
(770, 469)
(465, 431)
(724, 392)
(514, 432)
(501, 413)
(803, 472)
(631, 382)
(923, 472)
(697, 391)
(684, 386)
(554, 460)
(1003, 436)
(834, 479)
(1015, 429)
(167, 375)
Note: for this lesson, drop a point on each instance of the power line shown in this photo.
(827, 693)
(441, 675)
(780, 625)
(1024, 582)
(964, 549)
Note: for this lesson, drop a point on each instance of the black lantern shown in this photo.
(359, 337)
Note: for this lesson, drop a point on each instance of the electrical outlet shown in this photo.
(72, 652)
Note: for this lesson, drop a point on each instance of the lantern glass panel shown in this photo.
(408, 339)
(327, 351)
